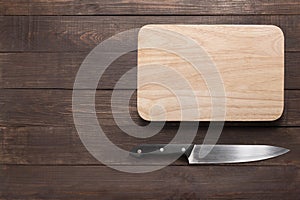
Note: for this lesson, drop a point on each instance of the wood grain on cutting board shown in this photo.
(175, 66)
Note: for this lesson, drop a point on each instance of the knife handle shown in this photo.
(162, 149)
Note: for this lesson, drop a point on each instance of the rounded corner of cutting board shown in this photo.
(278, 115)
(142, 114)
(277, 28)
(143, 28)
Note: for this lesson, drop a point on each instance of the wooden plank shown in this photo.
(143, 7)
(247, 59)
(291, 78)
(184, 182)
(83, 33)
(58, 70)
(54, 108)
(62, 146)
(14, 7)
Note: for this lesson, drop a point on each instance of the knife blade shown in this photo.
(218, 154)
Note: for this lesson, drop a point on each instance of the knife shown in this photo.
(218, 154)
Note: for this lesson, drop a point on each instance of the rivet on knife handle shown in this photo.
(162, 149)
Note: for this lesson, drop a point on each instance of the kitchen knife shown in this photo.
(219, 154)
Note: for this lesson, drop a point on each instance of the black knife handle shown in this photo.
(162, 149)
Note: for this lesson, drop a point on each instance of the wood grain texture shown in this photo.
(144, 7)
(58, 70)
(35, 145)
(248, 61)
(83, 33)
(54, 108)
(173, 182)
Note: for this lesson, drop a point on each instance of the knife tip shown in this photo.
(282, 151)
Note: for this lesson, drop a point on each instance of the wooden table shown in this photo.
(43, 43)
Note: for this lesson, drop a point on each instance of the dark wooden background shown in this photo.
(42, 44)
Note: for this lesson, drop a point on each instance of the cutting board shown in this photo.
(188, 68)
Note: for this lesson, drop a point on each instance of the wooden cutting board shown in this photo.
(181, 63)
